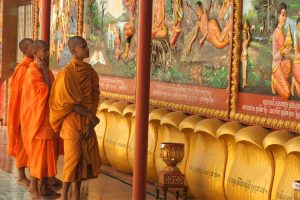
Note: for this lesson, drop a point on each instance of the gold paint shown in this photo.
(251, 174)
(80, 13)
(226, 133)
(205, 168)
(274, 142)
(168, 131)
(105, 104)
(187, 128)
(291, 170)
(117, 137)
(157, 114)
(172, 105)
(152, 137)
(35, 19)
(129, 110)
(102, 127)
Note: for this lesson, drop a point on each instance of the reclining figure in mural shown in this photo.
(159, 27)
(296, 69)
(210, 30)
(281, 67)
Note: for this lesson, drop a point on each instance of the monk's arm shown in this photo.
(85, 112)
(47, 78)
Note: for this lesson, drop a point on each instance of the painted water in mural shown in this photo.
(270, 57)
(63, 26)
(191, 40)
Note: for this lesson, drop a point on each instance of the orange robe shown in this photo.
(39, 139)
(76, 84)
(15, 141)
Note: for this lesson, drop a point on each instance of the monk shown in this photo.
(15, 141)
(73, 104)
(40, 141)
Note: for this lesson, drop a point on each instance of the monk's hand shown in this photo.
(89, 132)
(94, 119)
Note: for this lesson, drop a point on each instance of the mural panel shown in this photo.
(191, 49)
(266, 69)
(63, 25)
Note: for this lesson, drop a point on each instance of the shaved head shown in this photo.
(38, 44)
(74, 41)
(25, 44)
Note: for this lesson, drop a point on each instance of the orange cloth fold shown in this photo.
(15, 141)
(76, 84)
(39, 139)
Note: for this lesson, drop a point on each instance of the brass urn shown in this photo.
(172, 154)
(296, 186)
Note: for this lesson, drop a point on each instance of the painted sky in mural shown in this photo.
(191, 42)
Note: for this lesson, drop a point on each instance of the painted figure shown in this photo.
(159, 27)
(111, 35)
(97, 58)
(296, 69)
(210, 30)
(281, 67)
(177, 17)
(129, 26)
(128, 31)
(118, 45)
(244, 55)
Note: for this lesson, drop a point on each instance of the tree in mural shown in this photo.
(93, 15)
(103, 7)
(264, 9)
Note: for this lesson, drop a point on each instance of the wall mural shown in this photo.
(63, 25)
(191, 46)
(268, 66)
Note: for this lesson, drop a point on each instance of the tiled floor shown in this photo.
(103, 188)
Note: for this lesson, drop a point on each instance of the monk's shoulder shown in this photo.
(65, 72)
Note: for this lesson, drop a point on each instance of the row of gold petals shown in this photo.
(171, 105)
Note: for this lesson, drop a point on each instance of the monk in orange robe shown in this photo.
(40, 141)
(15, 141)
(73, 104)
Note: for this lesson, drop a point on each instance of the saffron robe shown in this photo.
(15, 141)
(76, 84)
(40, 141)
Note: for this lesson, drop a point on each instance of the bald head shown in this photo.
(78, 47)
(75, 41)
(25, 46)
(38, 45)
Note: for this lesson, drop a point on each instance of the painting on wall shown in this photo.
(266, 79)
(63, 25)
(191, 48)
